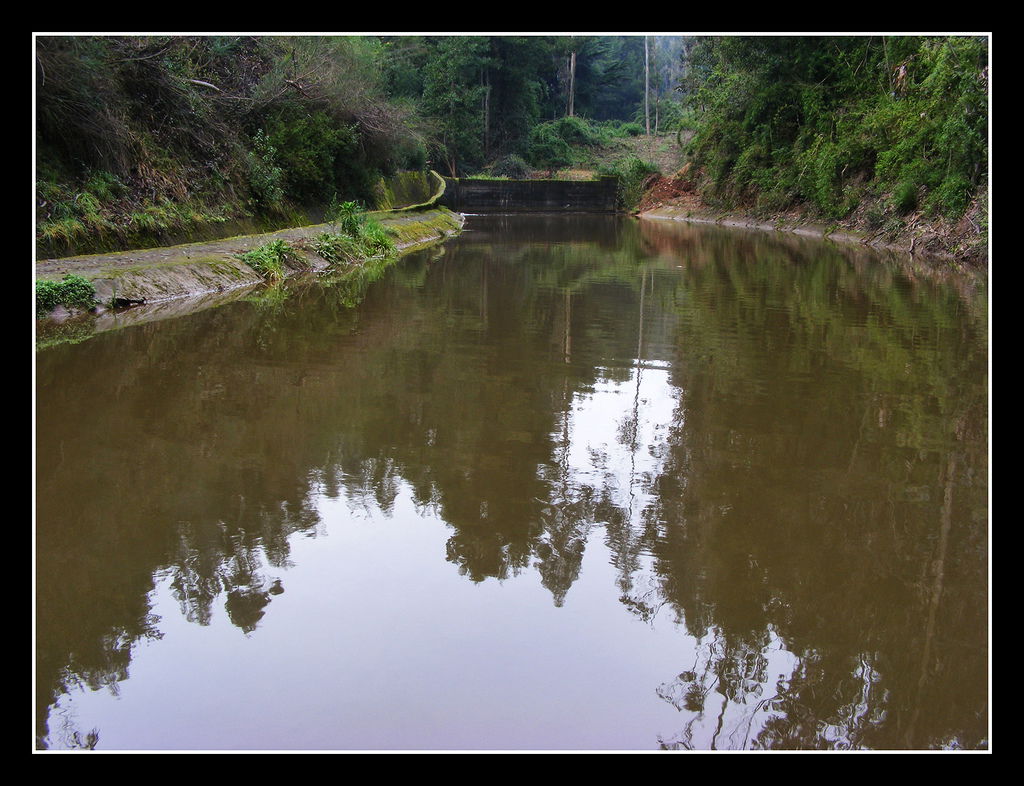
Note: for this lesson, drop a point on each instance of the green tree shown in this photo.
(452, 97)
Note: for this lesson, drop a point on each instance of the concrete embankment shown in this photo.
(196, 270)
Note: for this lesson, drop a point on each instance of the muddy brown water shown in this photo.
(573, 483)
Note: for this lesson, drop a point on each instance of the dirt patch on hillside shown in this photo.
(678, 190)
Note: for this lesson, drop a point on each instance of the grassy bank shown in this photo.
(151, 140)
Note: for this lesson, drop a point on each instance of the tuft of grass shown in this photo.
(377, 238)
(62, 231)
(335, 248)
(268, 260)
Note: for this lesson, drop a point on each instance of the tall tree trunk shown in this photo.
(647, 86)
(572, 83)
(487, 113)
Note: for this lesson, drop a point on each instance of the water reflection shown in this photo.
(779, 449)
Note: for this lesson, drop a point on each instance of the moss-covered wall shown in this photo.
(405, 189)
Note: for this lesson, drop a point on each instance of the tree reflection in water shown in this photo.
(784, 451)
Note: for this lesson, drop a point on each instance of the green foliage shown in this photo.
(562, 142)
(104, 186)
(349, 216)
(335, 248)
(511, 166)
(577, 132)
(486, 95)
(547, 148)
(62, 232)
(904, 198)
(609, 77)
(315, 152)
(269, 259)
(632, 174)
(670, 113)
(359, 237)
(71, 291)
(258, 123)
(377, 238)
(68, 213)
(265, 177)
(412, 153)
(452, 94)
(829, 121)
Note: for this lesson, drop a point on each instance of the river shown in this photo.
(563, 483)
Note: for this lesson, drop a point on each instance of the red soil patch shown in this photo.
(677, 190)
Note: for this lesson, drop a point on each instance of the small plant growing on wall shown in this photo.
(268, 260)
(358, 235)
(71, 291)
(348, 216)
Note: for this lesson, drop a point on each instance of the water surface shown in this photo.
(567, 483)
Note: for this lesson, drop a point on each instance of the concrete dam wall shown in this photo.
(467, 195)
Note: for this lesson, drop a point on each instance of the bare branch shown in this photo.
(205, 84)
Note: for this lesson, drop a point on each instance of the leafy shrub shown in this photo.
(511, 166)
(547, 149)
(821, 176)
(559, 143)
(632, 173)
(309, 148)
(577, 132)
(265, 177)
(412, 155)
(952, 196)
(374, 240)
(360, 236)
(349, 216)
(72, 291)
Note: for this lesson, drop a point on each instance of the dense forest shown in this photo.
(138, 136)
